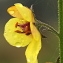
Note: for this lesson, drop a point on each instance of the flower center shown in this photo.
(25, 27)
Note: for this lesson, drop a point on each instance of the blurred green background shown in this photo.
(46, 11)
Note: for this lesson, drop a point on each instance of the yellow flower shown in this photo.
(20, 31)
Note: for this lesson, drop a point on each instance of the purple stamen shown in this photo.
(25, 27)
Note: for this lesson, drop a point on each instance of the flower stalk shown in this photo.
(48, 27)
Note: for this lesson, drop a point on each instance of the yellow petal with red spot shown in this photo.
(34, 47)
(23, 14)
(13, 38)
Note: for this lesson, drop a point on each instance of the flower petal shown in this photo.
(13, 38)
(32, 51)
(14, 12)
(35, 32)
(25, 12)
(34, 47)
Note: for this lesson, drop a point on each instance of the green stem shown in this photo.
(60, 16)
(47, 27)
